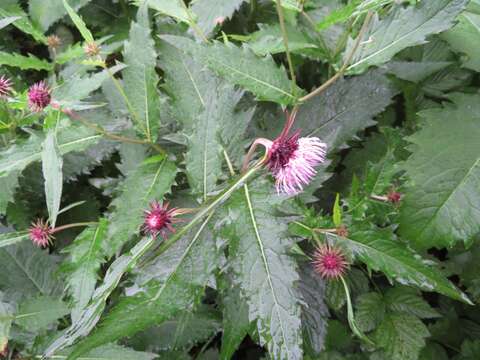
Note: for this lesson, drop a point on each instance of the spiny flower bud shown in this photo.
(394, 197)
(40, 233)
(329, 262)
(54, 42)
(91, 49)
(39, 96)
(5, 86)
(159, 219)
(342, 231)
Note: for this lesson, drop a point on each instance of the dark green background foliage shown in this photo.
(167, 111)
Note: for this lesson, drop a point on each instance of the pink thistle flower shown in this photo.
(159, 219)
(40, 233)
(394, 197)
(329, 262)
(5, 86)
(291, 159)
(39, 96)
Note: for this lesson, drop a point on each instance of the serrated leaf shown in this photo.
(115, 352)
(52, 173)
(86, 256)
(37, 314)
(370, 311)
(402, 336)
(441, 202)
(262, 269)
(415, 71)
(345, 108)
(10, 238)
(240, 66)
(30, 270)
(380, 251)
(151, 182)
(29, 62)
(173, 8)
(464, 37)
(212, 12)
(23, 23)
(79, 23)
(47, 12)
(178, 288)
(402, 28)
(339, 15)
(408, 301)
(140, 78)
(8, 20)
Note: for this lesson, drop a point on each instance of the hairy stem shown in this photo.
(281, 19)
(69, 226)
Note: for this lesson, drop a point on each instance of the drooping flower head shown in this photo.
(159, 219)
(39, 96)
(291, 159)
(329, 262)
(40, 233)
(5, 86)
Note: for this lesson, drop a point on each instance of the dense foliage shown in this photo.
(246, 179)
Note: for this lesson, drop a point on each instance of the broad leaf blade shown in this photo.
(52, 173)
(46, 12)
(441, 203)
(402, 28)
(240, 66)
(23, 23)
(211, 13)
(11, 238)
(37, 314)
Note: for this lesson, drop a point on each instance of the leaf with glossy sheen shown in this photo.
(151, 182)
(381, 251)
(86, 256)
(52, 173)
(185, 267)
(402, 28)
(441, 204)
(37, 314)
(266, 275)
(345, 108)
(29, 62)
(242, 67)
(47, 12)
(140, 78)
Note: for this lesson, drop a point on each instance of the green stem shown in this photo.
(281, 19)
(69, 226)
(193, 24)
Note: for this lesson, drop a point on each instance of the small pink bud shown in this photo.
(329, 262)
(394, 197)
(91, 49)
(219, 20)
(342, 231)
(159, 219)
(39, 96)
(40, 233)
(5, 86)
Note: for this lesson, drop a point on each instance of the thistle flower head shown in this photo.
(53, 41)
(159, 219)
(91, 49)
(329, 262)
(39, 96)
(5, 86)
(394, 197)
(40, 233)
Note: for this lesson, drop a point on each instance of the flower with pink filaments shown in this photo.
(329, 262)
(159, 219)
(5, 86)
(290, 158)
(39, 96)
(40, 233)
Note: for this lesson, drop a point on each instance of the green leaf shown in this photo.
(402, 28)
(86, 256)
(337, 211)
(151, 182)
(370, 311)
(464, 37)
(380, 251)
(23, 24)
(339, 15)
(92, 312)
(140, 77)
(173, 8)
(211, 12)
(8, 20)
(291, 4)
(441, 202)
(6, 318)
(179, 277)
(115, 352)
(52, 173)
(262, 269)
(409, 301)
(24, 62)
(240, 66)
(47, 12)
(402, 336)
(79, 23)
(415, 71)
(37, 314)
(345, 108)
(30, 270)
(11, 238)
